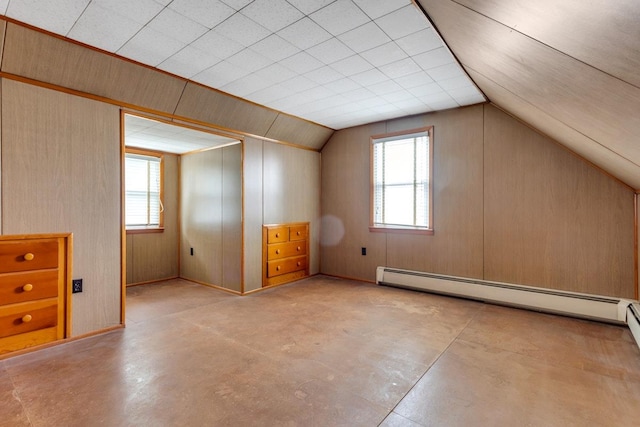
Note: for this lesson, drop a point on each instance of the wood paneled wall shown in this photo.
(509, 205)
(154, 256)
(211, 217)
(61, 173)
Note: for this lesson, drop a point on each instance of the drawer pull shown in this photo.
(26, 318)
(297, 233)
(277, 235)
(277, 251)
(298, 248)
(278, 268)
(299, 263)
(29, 256)
(28, 287)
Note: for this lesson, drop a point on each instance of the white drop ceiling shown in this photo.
(153, 135)
(339, 63)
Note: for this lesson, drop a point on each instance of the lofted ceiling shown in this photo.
(339, 63)
(569, 68)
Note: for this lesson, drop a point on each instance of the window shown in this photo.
(401, 181)
(143, 190)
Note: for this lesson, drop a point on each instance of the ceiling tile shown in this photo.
(188, 62)
(103, 28)
(413, 80)
(426, 89)
(242, 30)
(397, 96)
(304, 34)
(299, 83)
(447, 71)
(140, 11)
(249, 60)
(434, 58)
(470, 99)
(3, 6)
(464, 91)
(176, 26)
(270, 94)
(375, 9)
(400, 68)
(340, 17)
(369, 77)
(214, 42)
(364, 37)
(273, 14)
(57, 16)
(385, 54)
(220, 74)
(455, 83)
(342, 85)
(421, 41)
(352, 65)
(150, 47)
(330, 51)
(246, 85)
(359, 94)
(275, 48)
(384, 87)
(309, 6)
(276, 73)
(324, 75)
(237, 4)
(206, 12)
(443, 104)
(403, 22)
(301, 63)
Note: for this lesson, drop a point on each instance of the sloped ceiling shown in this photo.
(569, 68)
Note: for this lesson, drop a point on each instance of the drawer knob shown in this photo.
(297, 233)
(29, 256)
(299, 263)
(277, 251)
(26, 318)
(277, 235)
(298, 248)
(28, 287)
(278, 268)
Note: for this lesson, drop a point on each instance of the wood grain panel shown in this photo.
(551, 220)
(3, 28)
(61, 173)
(585, 147)
(232, 217)
(599, 33)
(253, 220)
(345, 206)
(292, 191)
(39, 56)
(129, 259)
(155, 255)
(201, 217)
(292, 129)
(455, 248)
(594, 103)
(210, 106)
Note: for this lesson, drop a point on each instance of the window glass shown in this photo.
(143, 207)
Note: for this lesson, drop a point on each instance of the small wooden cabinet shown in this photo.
(35, 276)
(285, 253)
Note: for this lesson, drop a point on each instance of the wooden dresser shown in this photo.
(35, 290)
(285, 253)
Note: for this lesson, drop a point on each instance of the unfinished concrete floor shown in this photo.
(327, 352)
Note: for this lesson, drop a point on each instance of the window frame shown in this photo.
(408, 229)
(140, 229)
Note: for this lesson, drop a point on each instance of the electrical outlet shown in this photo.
(76, 286)
(364, 251)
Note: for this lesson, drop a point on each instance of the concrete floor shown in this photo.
(327, 352)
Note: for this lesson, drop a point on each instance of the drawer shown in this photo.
(28, 286)
(28, 255)
(286, 265)
(278, 234)
(26, 317)
(298, 232)
(285, 250)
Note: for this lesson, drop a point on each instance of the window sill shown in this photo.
(145, 230)
(400, 230)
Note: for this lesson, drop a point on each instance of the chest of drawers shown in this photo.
(285, 253)
(34, 290)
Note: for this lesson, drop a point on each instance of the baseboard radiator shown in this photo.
(607, 309)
